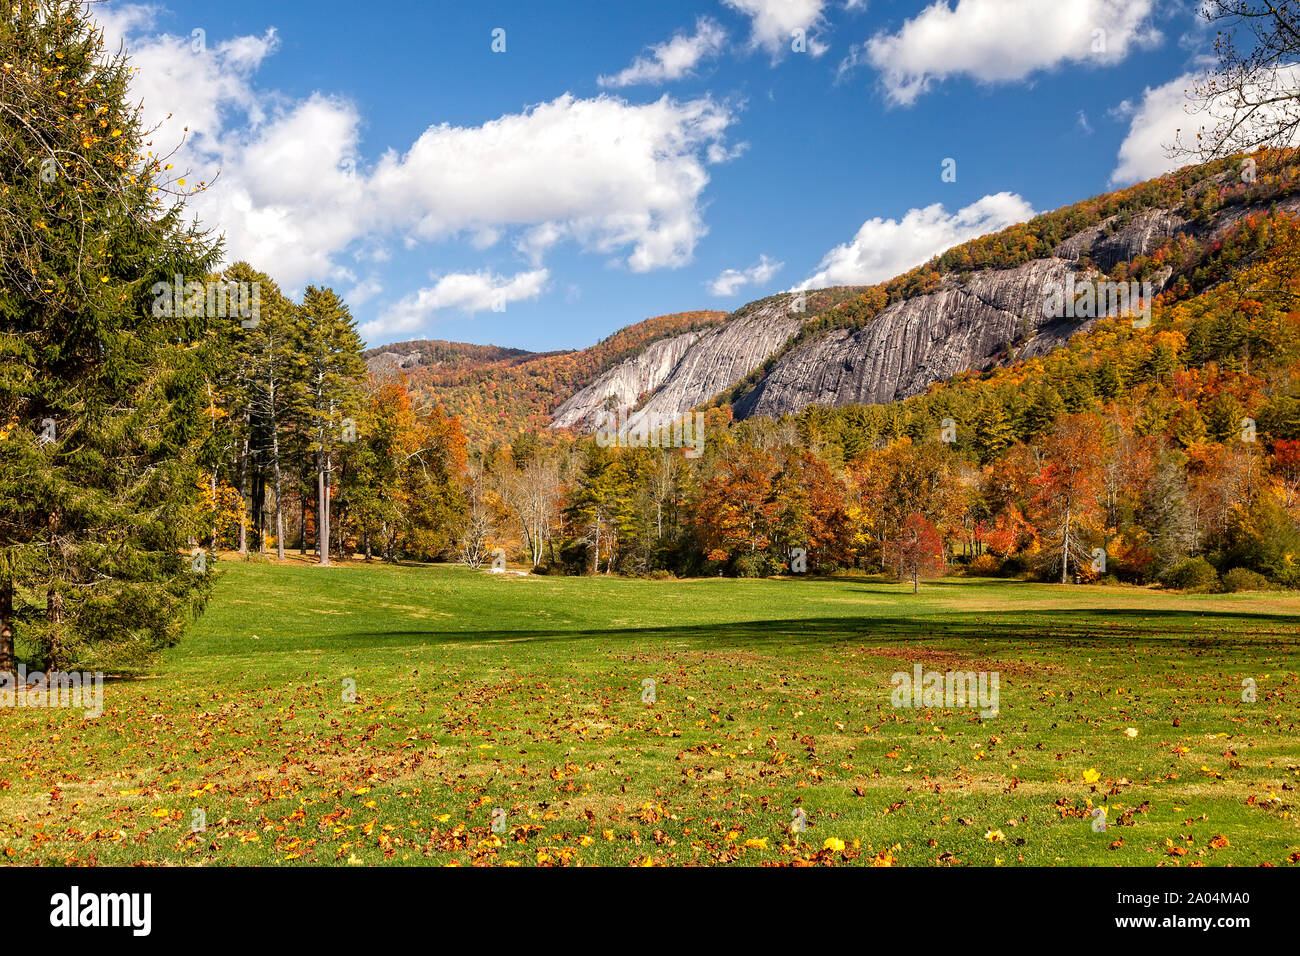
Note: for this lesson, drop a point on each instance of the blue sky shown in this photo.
(619, 161)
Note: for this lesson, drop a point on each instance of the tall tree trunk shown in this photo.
(259, 510)
(1065, 549)
(212, 482)
(302, 521)
(243, 493)
(279, 498)
(7, 661)
(54, 617)
(322, 509)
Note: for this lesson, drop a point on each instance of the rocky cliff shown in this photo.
(970, 322)
(625, 384)
(993, 317)
(939, 323)
(687, 370)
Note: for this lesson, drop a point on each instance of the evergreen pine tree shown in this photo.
(330, 400)
(101, 400)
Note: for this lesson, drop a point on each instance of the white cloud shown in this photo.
(729, 281)
(1165, 116)
(1153, 126)
(605, 173)
(855, 58)
(467, 291)
(1122, 110)
(1003, 40)
(776, 22)
(364, 291)
(296, 197)
(884, 248)
(672, 59)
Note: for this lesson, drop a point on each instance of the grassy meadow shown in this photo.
(370, 715)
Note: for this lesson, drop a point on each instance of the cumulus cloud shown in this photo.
(1165, 116)
(1003, 40)
(884, 248)
(608, 174)
(673, 59)
(777, 23)
(729, 281)
(295, 195)
(464, 291)
(364, 291)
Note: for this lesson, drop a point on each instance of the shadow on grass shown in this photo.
(1158, 629)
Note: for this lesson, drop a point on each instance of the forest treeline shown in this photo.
(1168, 453)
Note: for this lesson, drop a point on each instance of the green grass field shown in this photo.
(476, 692)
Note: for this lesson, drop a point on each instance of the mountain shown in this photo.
(976, 307)
(973, 308)
(498, 392)
(438, 354)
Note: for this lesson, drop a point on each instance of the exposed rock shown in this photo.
(684, 371)
(1108, 244)
(915, 343)
(721, 357)
(387, 361)
(626, 383)
(994, 316)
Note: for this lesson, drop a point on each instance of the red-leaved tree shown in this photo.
(917, 550)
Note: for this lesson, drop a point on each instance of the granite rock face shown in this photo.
(970, 323)
(913, 344)
(387, 361)
(684, 371)
(1109, 244)
(720, 358)
(625, 383)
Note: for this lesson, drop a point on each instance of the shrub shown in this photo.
(1194, 574)
(1264, 539)
(752, 565)
(576, 558)
(1244, 579)
(984, 566)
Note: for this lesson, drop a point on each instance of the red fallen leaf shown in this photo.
(1219, 842)
(1117, 844)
